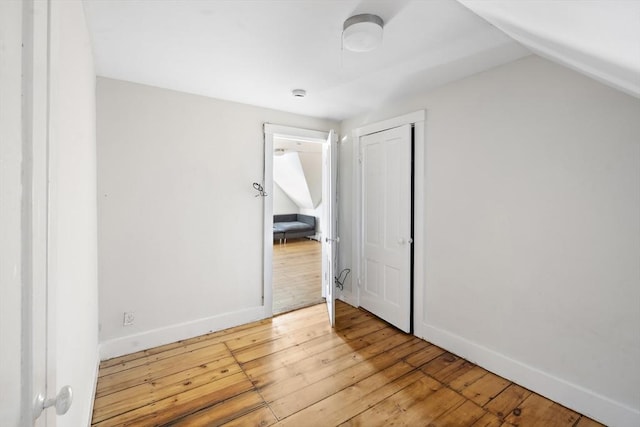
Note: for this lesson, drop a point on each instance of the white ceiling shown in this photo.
(257, 51)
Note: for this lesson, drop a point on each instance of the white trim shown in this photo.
(568, 394)
(299, 134)
(416, 118)
(169, 334)
(267, 232)
(348, 298)
(419, 237)
(410, 118)
(355, 221)
(94, 391)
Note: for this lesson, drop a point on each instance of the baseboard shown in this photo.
(156, 337)
(573, 396)
(348, 297)
(95, 389)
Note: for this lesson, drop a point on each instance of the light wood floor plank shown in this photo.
(150, 392)
(489, 420)
(293, 370)
(466, 414)
(353, 400)
(326, 387)
(297, 274)
(261, 417)
(538, 410)
(504, 403)
(115, 382)
(485, 389)
(588, 422)
(407, 406)
(274, 387)
(186, 403)
(227, 411)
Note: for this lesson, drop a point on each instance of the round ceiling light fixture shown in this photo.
(362, 33)
(299, 93)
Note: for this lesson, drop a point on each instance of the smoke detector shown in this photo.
(299, 93)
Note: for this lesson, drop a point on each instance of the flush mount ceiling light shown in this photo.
(362, 33)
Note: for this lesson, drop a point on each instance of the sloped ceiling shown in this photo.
(298, 172)
(598, 38)
(289, 175)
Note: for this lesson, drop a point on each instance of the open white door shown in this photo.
(386, 225)
(329, 233)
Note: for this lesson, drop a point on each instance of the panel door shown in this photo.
(386, 225)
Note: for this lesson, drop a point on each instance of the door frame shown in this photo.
(272, 131)
(417, 120)
(25, 192)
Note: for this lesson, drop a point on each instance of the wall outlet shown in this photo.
(128, 318)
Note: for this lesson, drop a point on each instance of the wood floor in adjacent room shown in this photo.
(297, 274)
(294, 370)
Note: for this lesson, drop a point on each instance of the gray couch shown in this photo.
(290, 226)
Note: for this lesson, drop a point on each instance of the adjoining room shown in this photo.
(297, 224)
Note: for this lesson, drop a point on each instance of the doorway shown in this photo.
(299, 219)
(297, 223)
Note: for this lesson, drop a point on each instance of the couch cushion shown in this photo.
(311, 220)
(285, 218)
(293, 226)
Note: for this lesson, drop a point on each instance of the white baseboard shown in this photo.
(153, 338)
(348, 297)
(95, 389)
(573, 396)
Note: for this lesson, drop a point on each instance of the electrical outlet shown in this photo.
(128, 318)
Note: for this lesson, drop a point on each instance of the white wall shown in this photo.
(533, 231)
(11, 37)
(73, 228)
(282, 204)
(179, 226)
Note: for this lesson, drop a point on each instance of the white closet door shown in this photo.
(386, 220)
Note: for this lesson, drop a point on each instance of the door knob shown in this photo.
(401, 241)
(62, 402)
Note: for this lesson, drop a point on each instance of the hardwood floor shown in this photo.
(294, 370)
(297, 274)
